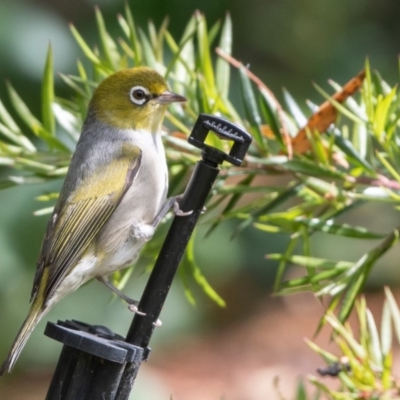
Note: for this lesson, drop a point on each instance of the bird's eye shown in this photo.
(139, 95)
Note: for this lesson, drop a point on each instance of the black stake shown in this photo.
(93, 359)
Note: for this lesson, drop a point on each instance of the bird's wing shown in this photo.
(74, 224)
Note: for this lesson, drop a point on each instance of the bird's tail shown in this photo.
(35, 314)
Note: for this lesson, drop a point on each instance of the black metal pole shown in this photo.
(171, 253)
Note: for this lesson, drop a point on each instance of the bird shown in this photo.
(113, 196)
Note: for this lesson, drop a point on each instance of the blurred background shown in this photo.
(201, 351)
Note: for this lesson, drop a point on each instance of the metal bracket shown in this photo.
(225, 130)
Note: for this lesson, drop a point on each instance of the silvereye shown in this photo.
(113, 195)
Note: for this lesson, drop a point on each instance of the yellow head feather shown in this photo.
(112, 100)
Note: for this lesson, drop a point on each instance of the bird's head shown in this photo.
(134, 98)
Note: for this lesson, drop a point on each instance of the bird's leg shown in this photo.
(132, 304)
(172, 202)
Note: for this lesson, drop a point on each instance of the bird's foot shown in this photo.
(171, 203)
(134, 308)
(177, 211)
(132, 304)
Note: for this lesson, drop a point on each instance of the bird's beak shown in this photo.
(170, 97)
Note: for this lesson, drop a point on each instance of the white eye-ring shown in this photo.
(139, 95)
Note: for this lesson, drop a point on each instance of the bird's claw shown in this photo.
(134, 308)
(178, 212)
(158, 323)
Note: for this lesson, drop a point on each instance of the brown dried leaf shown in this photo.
(325, 115)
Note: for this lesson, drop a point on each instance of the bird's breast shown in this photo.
(140, 204)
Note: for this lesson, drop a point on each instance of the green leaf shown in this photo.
(32, 165)
(184, 279)
(382, 158)
(124, 25)
(347, 147)
(48, 94)
(323, 388)
(301, 391)
(84, 47)
(32, 122)
(381, 113)
(133, 36)
(345, 334)
(8, 120)
(160, 40)
(43, 211)
(88, 85)
(367, 92)
(328, 357)
(328, 226)
(306, 167)
(18, 138)
(9, 149)
(222, 66)
(295, 110)
(312, 262)
(269, 110)
(374, 342)
(6, 161)
(199, 278)
(148, 54)
(107, 44)
(206, 67)
(213, 32)
(290, 224)
(128, 53)
(153, 36)
(48, 196)
(386, 330)
(26, 180)
(394, 311)
(313, 282)
(251, 109)
(282, 264)
(361, 270)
